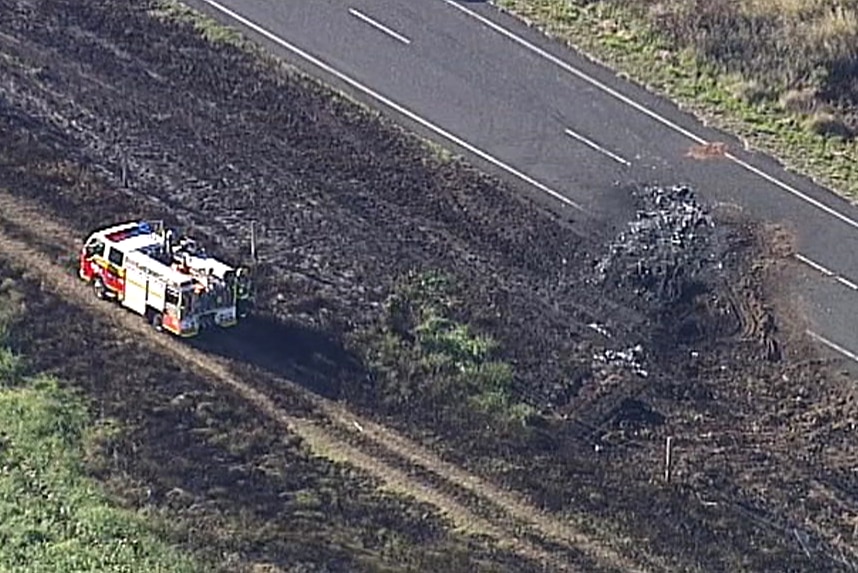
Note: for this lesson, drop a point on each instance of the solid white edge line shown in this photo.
(833, 345)
(790, 189)
(393, 105)
(648, 112)
(378, 25)
(597, 147)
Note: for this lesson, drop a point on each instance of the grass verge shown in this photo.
(624, 37)
(52, 516)
(208, 28)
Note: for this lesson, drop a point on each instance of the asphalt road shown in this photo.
(555, 124)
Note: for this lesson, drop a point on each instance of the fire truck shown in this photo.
(169, 280)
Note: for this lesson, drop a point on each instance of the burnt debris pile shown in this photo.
(663, 253)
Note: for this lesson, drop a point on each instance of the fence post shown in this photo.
(253, 241)
(668, 458)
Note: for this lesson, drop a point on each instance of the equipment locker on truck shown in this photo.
(176, 285)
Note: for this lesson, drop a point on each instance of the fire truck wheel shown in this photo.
(99, 288)
(157, 321)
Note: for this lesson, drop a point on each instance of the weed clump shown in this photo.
(422, 353)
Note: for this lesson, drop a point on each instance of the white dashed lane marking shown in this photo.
(327, 68)
(379, 26)
(827, 272)
(597, 147)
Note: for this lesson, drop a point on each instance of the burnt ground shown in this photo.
(237, 489)
(109, 112)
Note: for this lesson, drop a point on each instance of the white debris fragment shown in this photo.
(600, 329)
(631, 358)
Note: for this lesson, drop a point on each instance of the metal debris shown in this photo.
(631, 358)
(663, 249)
(601, 329)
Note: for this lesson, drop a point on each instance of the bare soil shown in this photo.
(107, 112)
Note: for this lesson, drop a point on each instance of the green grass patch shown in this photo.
(11, 305)
(739, 81)
(208, 28)
(422, 354)
(53, 518)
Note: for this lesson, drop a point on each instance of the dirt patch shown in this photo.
(107, 113)
(707, 150)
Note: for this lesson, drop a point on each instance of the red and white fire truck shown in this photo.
(171, 281)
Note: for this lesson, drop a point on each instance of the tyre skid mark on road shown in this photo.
(389, 456)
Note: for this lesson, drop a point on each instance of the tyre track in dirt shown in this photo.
(332, 431)
(213, 144)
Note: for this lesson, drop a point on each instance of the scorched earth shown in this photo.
(508, 375)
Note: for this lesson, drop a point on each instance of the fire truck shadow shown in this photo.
(311, 358)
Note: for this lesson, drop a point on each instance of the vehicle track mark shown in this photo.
(516, 530)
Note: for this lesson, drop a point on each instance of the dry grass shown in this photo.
(780, 44)
(827, 123)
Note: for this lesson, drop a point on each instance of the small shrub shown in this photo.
(751, 91)
(492, 376)
(306, 499)
(441, 335)
(799, 100)
(828, 124)
(10, 368)
(208, 28)
(421, 353)
(11, 307)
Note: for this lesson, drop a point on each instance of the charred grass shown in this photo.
(238, 491)
(351, 214)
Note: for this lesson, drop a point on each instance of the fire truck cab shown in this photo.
(174, 284)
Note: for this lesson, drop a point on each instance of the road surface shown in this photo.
(547, 119)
